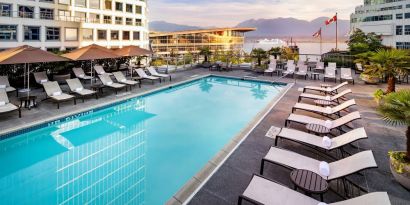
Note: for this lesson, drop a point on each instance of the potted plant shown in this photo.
(259, 54)
(372, 74)
(395, 109)
(206, 52)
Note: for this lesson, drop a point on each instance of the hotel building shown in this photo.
(180, 42)
(68, 24)
(388, 18)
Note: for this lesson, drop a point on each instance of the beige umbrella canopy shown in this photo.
(26, 55)
(130, 51)
(91, 52)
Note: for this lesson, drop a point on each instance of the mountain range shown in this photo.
(277, 27)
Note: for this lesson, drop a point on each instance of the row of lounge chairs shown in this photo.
(262, 190)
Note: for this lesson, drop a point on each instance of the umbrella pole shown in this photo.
(28, 79)
(92, 72)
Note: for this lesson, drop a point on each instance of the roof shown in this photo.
(28, 54)
(155, 34)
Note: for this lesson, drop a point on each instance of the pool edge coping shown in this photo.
(185, 194)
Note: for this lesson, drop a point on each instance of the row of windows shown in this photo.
(399, 30)
(403, 45)
(33, 33)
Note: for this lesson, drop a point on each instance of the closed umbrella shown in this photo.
(27, 55)
(131, 51)
(91, 53)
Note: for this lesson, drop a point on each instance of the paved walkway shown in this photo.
(231, 179)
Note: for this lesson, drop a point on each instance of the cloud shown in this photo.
(231, 12)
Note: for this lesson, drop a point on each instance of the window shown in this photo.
(403, 45)
(88, 34)
(128, 8)
(31, 33)
(118, 6)
(64, 2)
(138, 22)
(8, 32)
(46, 13)
(52, 33)
(399, 16)
(138, 9)
(115, 35)
(399, 30)
(94, 4)
(107, 19)
(80, 3)
(80, 16)
(125, 35)
(94, 18)
(26, 12)
(64, 15)
(118, 20)
(407, 15)
(5, 9)
(53, 50)
(407, 30)
(128, 21)
(108, 4)
(102, 34)
(71, 34)
(136, 35)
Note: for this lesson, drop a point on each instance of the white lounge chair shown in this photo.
(331, 124)
(119, 76)
(330, 73)
(329, 90)
(359, 68)
(5, 105)
(154, 72)
(55, 93)
(41, 77)
(318, 142)
(332, 65)
(289, 63)
(100, 70)
(324, 110)
(5, 84)
(262, 190)
(79, 73)
(303, 69)
(78, 88)
(338, 169)
(272, 68)
(291, 68)
(106, 81)
(346, 75)
(143, 75)
(331, 98)
(320, 67)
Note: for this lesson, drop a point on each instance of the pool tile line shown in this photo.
(190, 189)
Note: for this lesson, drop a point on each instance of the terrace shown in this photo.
(231, 179)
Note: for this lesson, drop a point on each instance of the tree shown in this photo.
(395, 109)
(392, 62)
(360, 42)
(274, 51)
(206, 52)
(259, 54)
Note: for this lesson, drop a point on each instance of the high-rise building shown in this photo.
(67, 24)
(388, 18)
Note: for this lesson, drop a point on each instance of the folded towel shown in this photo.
(2, 103)
(329, 89)
(102, 72)
(321, 203)
(328, 109)
(328, 124)
(56, 93)
(43, 81)
(326, 142)
(328, 98)
(78, 89)
(109, 83)
(81, 76)
(2, 86)
(324, 169)
(124, 80)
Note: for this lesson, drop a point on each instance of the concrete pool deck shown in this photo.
(230, 180)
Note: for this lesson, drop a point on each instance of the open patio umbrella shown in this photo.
(91, 53)
(27, 55)
(131, 51)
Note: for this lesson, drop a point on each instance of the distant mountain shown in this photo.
(287, 27)
(163, 26)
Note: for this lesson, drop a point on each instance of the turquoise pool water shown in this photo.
(141, 151)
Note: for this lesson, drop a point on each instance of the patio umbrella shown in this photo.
(131, 51)
(91, 53)
(26, 55)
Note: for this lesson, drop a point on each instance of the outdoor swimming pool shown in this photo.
(141, 151)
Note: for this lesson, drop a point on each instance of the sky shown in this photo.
(222, 13)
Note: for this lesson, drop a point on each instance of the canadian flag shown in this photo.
(331, 20)
(318, 33)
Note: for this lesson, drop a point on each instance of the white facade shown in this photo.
(68, 24)
(388, 18)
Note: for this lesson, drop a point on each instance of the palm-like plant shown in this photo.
(259, 54)
(395, 109)
(393, 62)
(206, 52)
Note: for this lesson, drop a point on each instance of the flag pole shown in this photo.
(320, 41)
(336, 29)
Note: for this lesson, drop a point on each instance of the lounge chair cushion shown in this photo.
(115, 85)
(85, 92)
(62, 97)
(2, 103)
(56, 94)
(8, 108)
